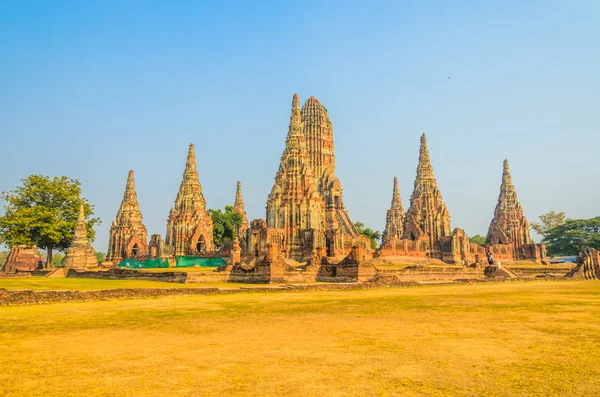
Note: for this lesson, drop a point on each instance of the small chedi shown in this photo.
(426, 227)
(128, 237)
(238, 206)
(394, 222)
(80, 254)
(22, 259)
(305, 209)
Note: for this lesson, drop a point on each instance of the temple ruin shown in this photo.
(238, 206)
(189, 226)
(80, 253)
(128, 237)
(22, 259)
(305, 210)
(427, 231)
(307, 233)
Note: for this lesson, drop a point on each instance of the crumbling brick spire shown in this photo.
(128, 237)
(238, 206)
(80, 253)
(394, 225)
(295, 204)
(508, 226)
(189, 226)
(427, 214)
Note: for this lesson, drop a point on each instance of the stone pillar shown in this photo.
(236, 252)
(272, 252)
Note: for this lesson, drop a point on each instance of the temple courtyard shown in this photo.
(488, 339)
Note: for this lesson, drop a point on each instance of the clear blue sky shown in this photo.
(101, 87)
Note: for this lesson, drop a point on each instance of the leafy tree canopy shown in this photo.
(477, 239)
(3, 257)
(373, 235)
(57, 259)
(225, 224)
(548, 221)
(44, 212)
(571, 236)
(100, 256)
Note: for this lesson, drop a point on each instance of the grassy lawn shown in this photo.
(505, 339)
(87, 284)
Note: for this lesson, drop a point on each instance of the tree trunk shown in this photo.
(49, 264)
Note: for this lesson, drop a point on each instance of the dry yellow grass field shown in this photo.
(506, 339)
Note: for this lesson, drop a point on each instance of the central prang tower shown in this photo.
(305, 210)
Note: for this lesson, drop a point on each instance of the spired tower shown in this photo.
(128, 237)
(394, 224)
(318, 133)
(80, 253)
(238, 206)
(427, 214)
(189, 226)
(509, 226)
(295, 206)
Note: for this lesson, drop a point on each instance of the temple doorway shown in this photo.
(134, 250)
(200, 245)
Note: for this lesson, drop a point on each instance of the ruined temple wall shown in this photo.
(405, 247)
(22, 258)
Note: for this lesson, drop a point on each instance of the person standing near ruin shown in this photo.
(490, 258)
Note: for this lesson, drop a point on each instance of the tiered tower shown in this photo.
(189, 226)
(509, 226)
(80, 253)
(128, 236)
(427, 215)
(295, 205)
(238, 206)
(318, 133)
(394, 224)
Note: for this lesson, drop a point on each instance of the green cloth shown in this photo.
(151, 263)
(187, 261)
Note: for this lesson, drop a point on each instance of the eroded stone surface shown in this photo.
(80, 253)
(508, 226)
(189, 226)
(128, 237)
(394, 223)
(238, 206)
(22, 258)
(305, 210)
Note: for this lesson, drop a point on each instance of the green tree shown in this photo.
(548, 221)
(100, 256)
(3, 257)
(44, 212)
(373, 235)
(477, 239)
(57, 259)
(225, 224)
(571, 236)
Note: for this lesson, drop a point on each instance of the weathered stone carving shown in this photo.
(128, 236)
(588, 265)
(238, 206)
(80, 253)
(189, 226)
(394, 224)
(508, 226)
(22, 258)
(305, 210)
(427, 214)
